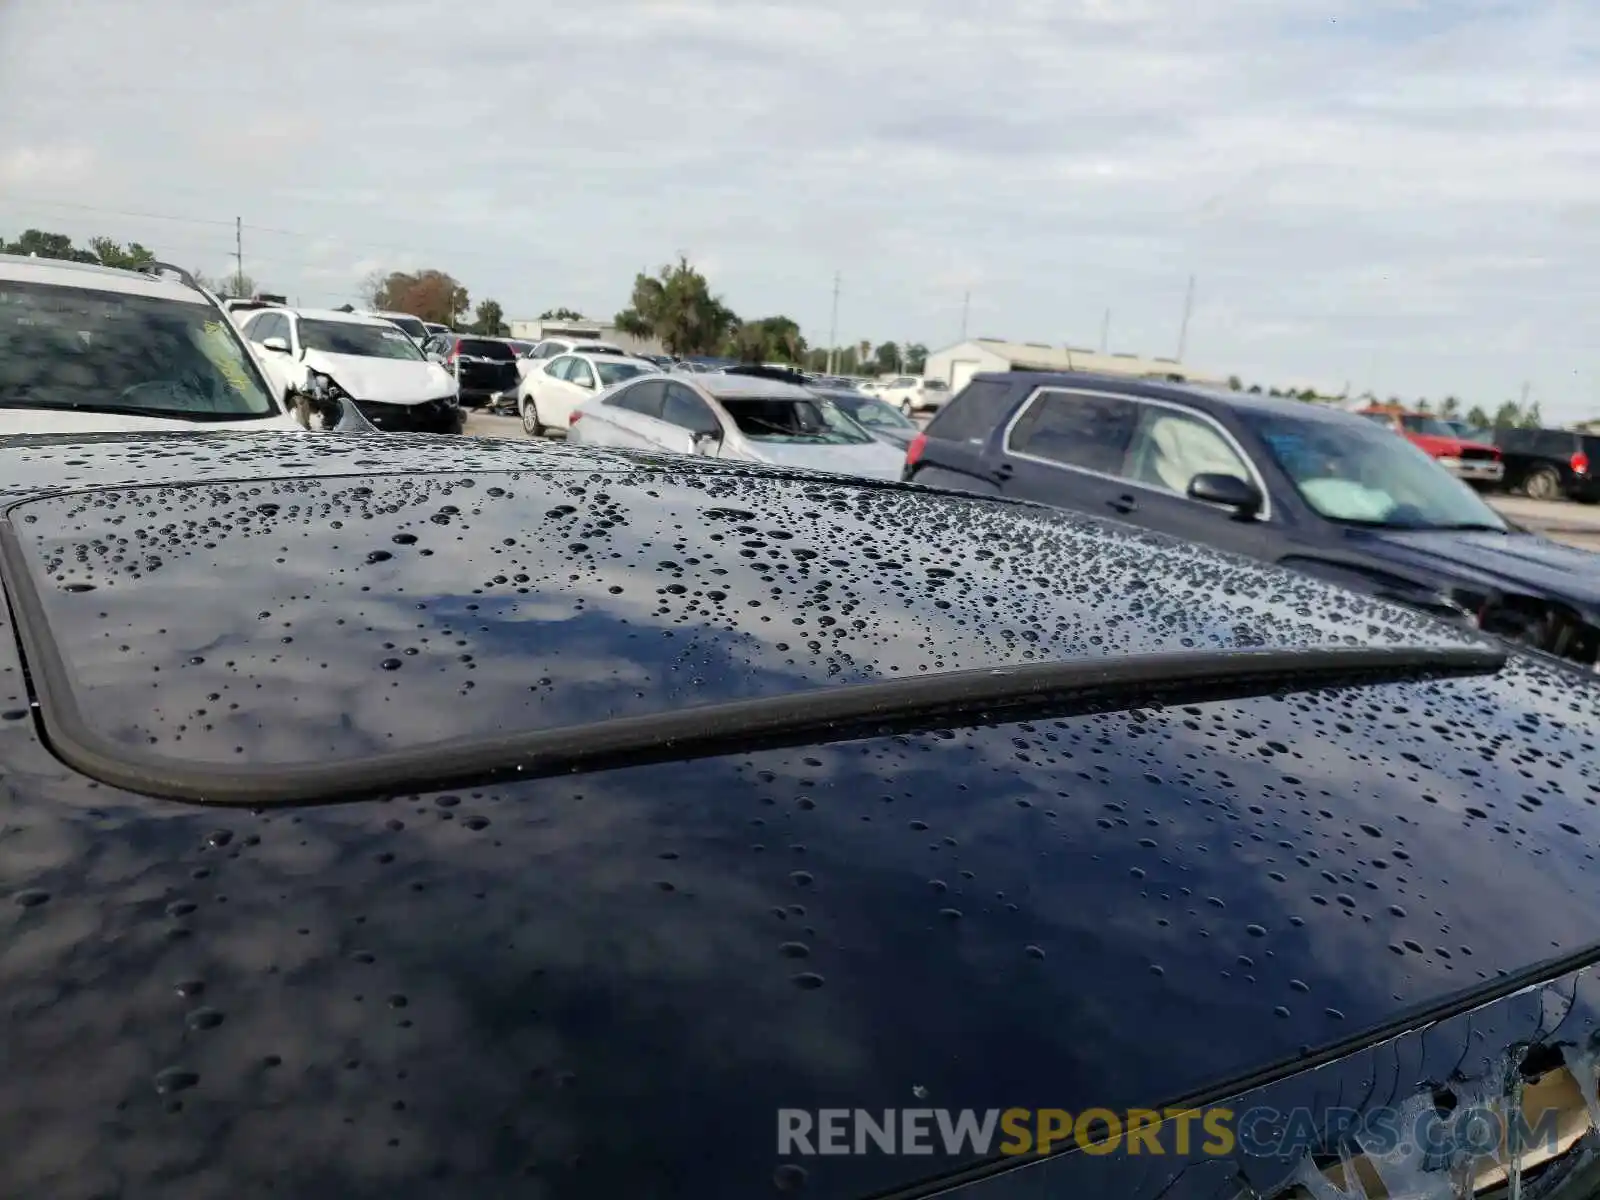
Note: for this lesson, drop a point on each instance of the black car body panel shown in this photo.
(432, 416)
(608, 984)
(1518, 584)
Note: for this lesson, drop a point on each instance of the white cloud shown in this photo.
(1402, 184)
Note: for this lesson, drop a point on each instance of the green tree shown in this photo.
(1254, 389)
(1450, 408)
(1235, 384)
(1273, 391)
(886, 358)
(111, 254)
(489, 319)
(771, 339)
(1309, 395)
(676, 306)
(1508, 415)
(47, 245)
(1533, 418)
(561, 314)
(916, 358)
(1478, 418)
(1423, 406)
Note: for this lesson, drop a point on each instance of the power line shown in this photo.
(389, 248)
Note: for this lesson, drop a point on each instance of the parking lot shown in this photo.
(1575, 524)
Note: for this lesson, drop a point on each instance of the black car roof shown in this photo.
(1207, 398)
(608, 982)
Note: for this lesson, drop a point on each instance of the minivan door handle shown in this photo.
(1124, 503)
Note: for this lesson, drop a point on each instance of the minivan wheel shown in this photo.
(530, 418)
(1543, 484)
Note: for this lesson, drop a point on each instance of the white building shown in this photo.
(961, 362)
(537, 331)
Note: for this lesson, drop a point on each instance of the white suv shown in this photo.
(92, 349)
(367, 359)
(910, 394)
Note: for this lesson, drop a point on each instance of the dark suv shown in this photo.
(1319, 490)
(1550, 463)
(485, 367)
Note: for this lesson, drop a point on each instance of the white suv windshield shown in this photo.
(92, 351)
(364, 341)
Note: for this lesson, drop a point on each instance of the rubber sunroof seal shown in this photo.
(920, 703)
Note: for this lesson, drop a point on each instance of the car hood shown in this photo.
(38, 421)
(1515, 563)
(386, 380)
(632, 967)
(874, 460)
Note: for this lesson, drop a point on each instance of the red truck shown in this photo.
(1478, 464)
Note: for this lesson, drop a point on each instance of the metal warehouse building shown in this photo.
(962, 361)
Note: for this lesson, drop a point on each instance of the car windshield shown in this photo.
(364, 341)
(812, 421)
(1353, 473)
(77, 348)
(616, 372)
(485, 348)
(873, 413)
(1432, 426)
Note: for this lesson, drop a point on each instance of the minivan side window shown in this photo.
(974, 412)
(1090, 432)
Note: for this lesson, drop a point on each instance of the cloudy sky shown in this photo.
(1386, 193)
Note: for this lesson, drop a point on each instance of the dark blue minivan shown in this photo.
(1285, 481)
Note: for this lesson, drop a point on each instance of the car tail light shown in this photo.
(1580, 463)
(574, 418)
(914, 451)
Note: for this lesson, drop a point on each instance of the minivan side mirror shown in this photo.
(704, 439)
(1228, 491)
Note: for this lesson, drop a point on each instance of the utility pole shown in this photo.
(1105, 333)
(966, 307)
(1183, 330)
(238, 256)
(833, 330)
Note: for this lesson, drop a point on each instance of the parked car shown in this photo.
(368, 359)
(1551, 463)
(1477, 463)
(913, 394)
(879, 418)
(414, 327)
(1321, 491)
(548, 394)
(522, 347)
(556, 346)
(92, 349)
(577, 827)
(484, 367)
(745, 418)
(1468, 432)
(431, 329)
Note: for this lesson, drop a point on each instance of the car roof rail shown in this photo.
(156, 268)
